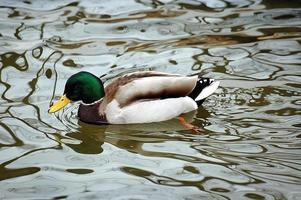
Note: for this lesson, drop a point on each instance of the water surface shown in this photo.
(249, 146)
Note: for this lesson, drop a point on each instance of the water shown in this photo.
(249, 146)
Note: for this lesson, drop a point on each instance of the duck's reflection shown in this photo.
(92, 137)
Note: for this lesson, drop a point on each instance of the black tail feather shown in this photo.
(200, 85)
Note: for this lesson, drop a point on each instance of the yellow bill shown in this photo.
(59, 105)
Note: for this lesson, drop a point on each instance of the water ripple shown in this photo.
(249, 145)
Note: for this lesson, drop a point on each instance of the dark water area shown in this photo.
(250, 144)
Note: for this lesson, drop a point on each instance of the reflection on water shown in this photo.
(249, 145)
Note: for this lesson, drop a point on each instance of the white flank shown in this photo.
(207, 91)
(149, 111)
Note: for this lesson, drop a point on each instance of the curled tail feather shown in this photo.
(204, 88)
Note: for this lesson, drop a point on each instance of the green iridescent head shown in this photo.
(82, 86)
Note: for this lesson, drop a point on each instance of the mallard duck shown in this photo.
(139, 97)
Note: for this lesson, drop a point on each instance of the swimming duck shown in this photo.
(139, 97)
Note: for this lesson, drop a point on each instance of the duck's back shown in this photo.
(149, 85)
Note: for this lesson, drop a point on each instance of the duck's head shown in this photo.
(84, 87)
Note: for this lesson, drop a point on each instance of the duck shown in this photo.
(134, 98)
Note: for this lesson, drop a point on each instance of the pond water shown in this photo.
(250, 143)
